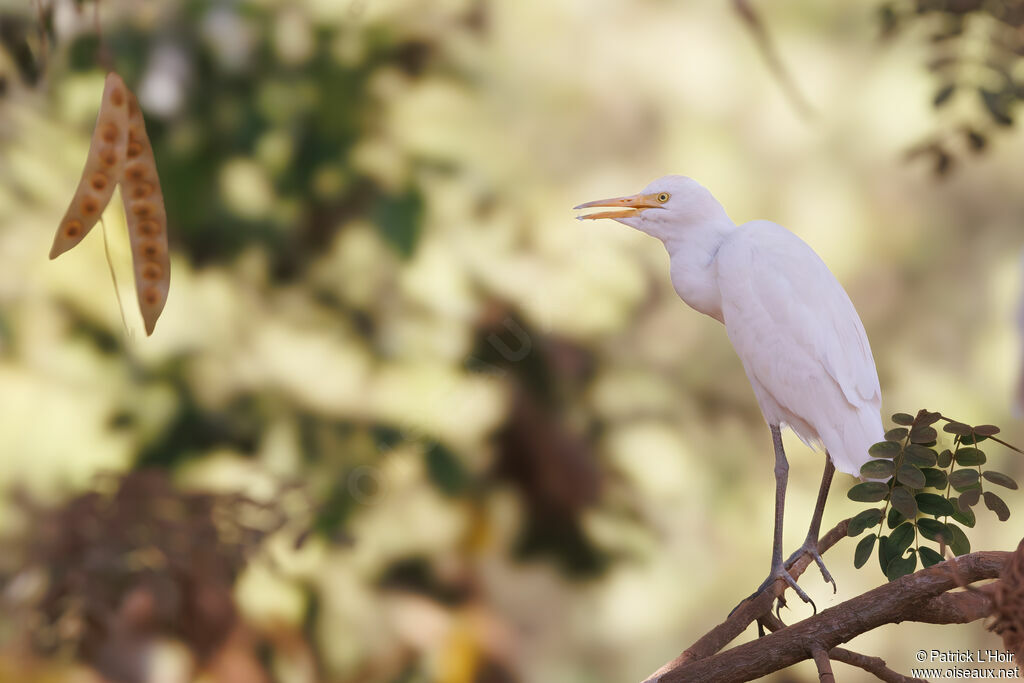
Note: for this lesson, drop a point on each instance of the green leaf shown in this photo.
(911, 476)
(447, 471)
(901, 567)
(986, 430)
(965, 517)
(901, 539)
(996, 505)
(863, 550)
(877, 469)
(970, 457)
(903, 419)
(962, 480)
(997, 105)
(894, 518)
(903, 500)
(943, 95)
(975, 140)
(932, 504)
(969, 498)
(884, 449)
(868, 492)
(928, 556)
(399, 219)
(972, 439)
(959, 545)
(945, 458)
(934, 478)
(1000, 479)
(885, 554)
(897, 434)
(934, 530)
(925, 418)
(958, 428)
(863, 520)
(923, 434)
(920, 456)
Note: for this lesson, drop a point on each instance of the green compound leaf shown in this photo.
(935, 479)
(958, 428)
(864, 520)
(933, 504)
(903, 419)
(959, 545)
(901, 539)
(868, 492)
(970, 457)
(894, 518)
(920, 456)
(945, 458)
(885, 554)
(911, 476)
(897, 434)
(928, 556)
(884, 449)
(923, 434)
(1000, 479)
(934, 530)
(969, 498)
(996, 505)
(863, 551)
(903, 500)
(964, 516)
(986, 430)
(901, 567)
(961, 480)
(877, 469)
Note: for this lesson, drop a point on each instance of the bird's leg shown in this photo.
(778, 570)
(810, 545)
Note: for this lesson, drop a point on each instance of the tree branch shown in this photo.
(824, 665)
(771, 57)
(918, 595)
(749, 611)
(873, 665)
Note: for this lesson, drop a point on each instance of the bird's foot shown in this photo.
(810, 547)
(779, 572)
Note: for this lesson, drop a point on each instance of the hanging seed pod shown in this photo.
(103, 167)
(147, 219)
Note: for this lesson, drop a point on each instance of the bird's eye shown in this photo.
(663, 197)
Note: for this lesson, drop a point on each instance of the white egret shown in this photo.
(793, 326)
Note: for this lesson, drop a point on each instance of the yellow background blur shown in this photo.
(536, 107)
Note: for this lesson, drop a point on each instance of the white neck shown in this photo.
(693, 249)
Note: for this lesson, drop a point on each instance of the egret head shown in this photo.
(665, 207)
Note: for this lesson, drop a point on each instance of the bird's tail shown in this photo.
(849, 447)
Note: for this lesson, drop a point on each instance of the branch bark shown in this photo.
(916, 597)
(751, 610)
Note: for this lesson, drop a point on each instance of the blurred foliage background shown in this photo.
(403, 419)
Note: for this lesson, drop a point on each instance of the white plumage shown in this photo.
(793, 326)
(801, 342)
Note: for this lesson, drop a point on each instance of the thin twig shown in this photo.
(873, 665)
(771, 58)
(824, 665)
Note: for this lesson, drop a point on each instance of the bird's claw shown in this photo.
(777, 573)
(811, 548)
(782, 573)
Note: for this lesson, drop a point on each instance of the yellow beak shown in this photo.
(627, 206)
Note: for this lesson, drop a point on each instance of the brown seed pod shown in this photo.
(147, 220)
(106, 154)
